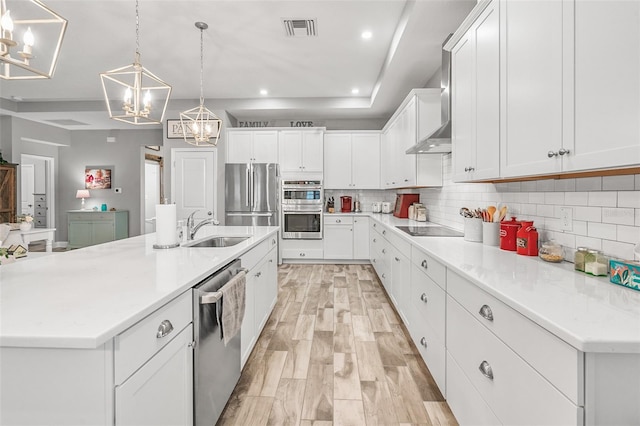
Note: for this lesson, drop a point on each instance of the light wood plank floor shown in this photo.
(334, 352)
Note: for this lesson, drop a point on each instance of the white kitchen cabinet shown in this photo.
(400, 281)
(88, 227)
(417, 117)
(261, 292)
(338, 237)
(252, 146)
(475, 99)
(352, 160)
(303, 250)
(361, 238)
(606, 101)
(300, 150)
(161, 391)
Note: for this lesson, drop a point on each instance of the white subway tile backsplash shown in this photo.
(554, 197)
(604, 209)
(545, 210)
(589, 214)
(618, 183)
(618, 249)
(603, 199)
(629, 199)
(589, 184)
(628, 234)
(545, 185)
(576, 198)
(602, 230)
(620, 216)
(565, 185)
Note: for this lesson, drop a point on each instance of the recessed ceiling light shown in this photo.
(355, 91)
(264, 92)
(367, 35)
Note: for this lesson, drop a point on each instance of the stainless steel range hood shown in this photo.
(439, 142)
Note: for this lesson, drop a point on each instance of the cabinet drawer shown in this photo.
(398, 242)
(465, 401)
(41, 222)
(302, 254)
(516, 393)
(90, 217)
(39, 197)
(40, 205)
(432, 350)
(337, 220)
(428, 301)
(434, 269)
(40, 212)
(251, 258)
(559, 362)
(139, 343)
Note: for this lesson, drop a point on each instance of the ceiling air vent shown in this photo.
(300, 27)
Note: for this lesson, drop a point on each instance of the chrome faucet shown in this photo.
(192, 227)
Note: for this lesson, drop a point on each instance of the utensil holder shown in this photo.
(491, 233)
(473, 229)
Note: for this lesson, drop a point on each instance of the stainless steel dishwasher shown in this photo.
(216, 367)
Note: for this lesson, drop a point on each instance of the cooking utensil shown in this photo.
(491, 210)
(503, 213)
(465, 212)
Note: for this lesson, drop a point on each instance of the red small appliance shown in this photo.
(403, 201)
(527, 239)
(345, 202)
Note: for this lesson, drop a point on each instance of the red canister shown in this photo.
(527, 239)
(508, 234)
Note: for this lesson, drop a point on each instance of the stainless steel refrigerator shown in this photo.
(251, 194)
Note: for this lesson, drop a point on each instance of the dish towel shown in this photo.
(233, 304)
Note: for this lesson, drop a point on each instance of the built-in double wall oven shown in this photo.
(302, 202)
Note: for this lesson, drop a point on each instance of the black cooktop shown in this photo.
(429, 231)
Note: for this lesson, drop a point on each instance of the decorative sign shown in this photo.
(174, 129)
(280, 123)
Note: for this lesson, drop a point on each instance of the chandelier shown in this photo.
(134, 94)
(30, 38)
(200, 126)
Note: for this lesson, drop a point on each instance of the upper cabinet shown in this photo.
(300, 150)
(567, 77)
(475, 99)
(252, 146)
(352, 160)
(417, 117)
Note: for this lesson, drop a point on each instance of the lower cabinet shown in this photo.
(261, 292)
(161, 391)
(346, 237)
(87, 228)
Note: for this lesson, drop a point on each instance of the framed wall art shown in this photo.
(97, 177)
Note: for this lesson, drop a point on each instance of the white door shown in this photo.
(240, 147)
(151, 194)
(312, 151)
(290, 151)
(27, 188)
(193, 182)
(337, 167)
(365, 160)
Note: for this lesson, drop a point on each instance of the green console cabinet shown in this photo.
(88, 227)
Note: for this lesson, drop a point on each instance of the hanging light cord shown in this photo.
(137, 33)
(201, 66)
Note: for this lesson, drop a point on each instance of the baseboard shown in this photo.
(60, 244)
(327, 261)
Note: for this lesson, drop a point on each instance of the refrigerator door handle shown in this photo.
(252, 183)
(248, 185)
(251, 214)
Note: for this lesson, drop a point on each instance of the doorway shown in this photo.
(193, 182)
(153, 190)
(37, 176)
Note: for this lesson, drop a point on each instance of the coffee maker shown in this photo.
(345, 202)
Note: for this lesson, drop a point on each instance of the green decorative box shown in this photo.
(625, 273)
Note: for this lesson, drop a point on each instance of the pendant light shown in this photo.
(30, 38)
(134, 94)
(200, 126)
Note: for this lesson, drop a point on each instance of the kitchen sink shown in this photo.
(217, 242)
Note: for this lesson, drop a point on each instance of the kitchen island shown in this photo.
(68, 323)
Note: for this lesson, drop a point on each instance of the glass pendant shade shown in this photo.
(30, 39)
(134, 94)
(200, 126)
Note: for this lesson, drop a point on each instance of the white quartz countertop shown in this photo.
(589, 313)
(82, 298)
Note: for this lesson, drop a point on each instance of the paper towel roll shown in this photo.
(166, 224)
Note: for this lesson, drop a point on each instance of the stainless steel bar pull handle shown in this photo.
(486, 313)
(164, 329)
(486, 370)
